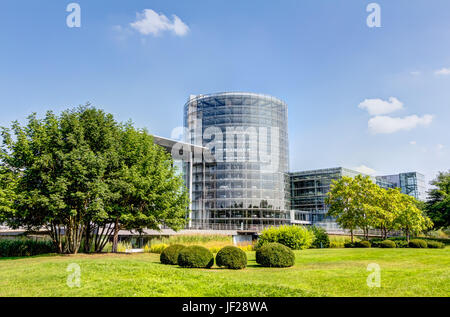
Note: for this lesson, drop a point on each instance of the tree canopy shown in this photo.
(80, 172)
(438, 203)
(358, 203)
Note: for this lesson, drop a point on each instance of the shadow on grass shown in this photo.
(47, 255)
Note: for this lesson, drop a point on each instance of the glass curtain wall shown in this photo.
(245, 185)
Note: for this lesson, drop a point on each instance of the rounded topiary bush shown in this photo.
(170, 254)
(363, 244)
(231, 258)
(387, 244)
(195, 256)
(417, 243)
(275, 255)
(435, 245)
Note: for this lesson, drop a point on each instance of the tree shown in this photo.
(438, 203)
(82, 175)
(8, 183)
(148, 190)
(410, 218)
(365, 202)
(341, 202)
(387, 207)
(62, 163)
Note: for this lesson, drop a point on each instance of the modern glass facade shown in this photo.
(308, 192)
(244, 185)
(411, 183)
(309, 189)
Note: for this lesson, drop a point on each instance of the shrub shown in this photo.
(195, 256)
(232, 258)
(401, 243)
(417, 243)
(321, 238)
(336, 244)
(376, 242)
(435, 245)
(358, 244)
(157, 248)
(294, 237)
(170, 254)
(338, 241)
(25, 247)
(275, 255)
(387, 244)
(363, 244)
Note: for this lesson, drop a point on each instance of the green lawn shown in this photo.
(326, 272)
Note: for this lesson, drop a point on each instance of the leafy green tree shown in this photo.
(410, 218)
(365, 202)
(82, 175)
(61, 163)
(8, 183)
(341, 202)
(148, 190)
(438, 203)
(388, 205)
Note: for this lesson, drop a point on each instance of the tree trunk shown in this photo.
(116, 236)
(87, 239)
(351, 234)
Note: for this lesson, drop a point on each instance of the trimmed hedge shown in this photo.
(358, 244)
(401, 243)
(232, 258)
(25, 247)
(435, 245)
(417, 243)
(275, 255)
(170, 254)
(387, 244)
(195, 256)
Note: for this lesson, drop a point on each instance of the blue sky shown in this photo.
(357, 96)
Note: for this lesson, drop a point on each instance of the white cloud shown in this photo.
(412, 142)
(440, 147)
(150, 22)
(386, 124)
(379, 106)
(415, 73)
(443, 71)
(365, 170)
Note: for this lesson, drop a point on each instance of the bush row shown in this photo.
(414, 243)
(230, 257)
(25, 247)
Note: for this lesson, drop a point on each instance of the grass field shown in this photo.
(317, 272)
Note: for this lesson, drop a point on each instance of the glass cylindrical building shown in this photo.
(244, 184)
